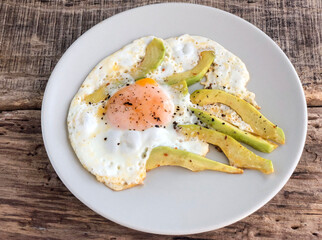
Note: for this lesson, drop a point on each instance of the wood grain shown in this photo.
(34, 204)
(40, 205)
(35, 34)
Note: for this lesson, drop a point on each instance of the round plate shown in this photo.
(174, 200)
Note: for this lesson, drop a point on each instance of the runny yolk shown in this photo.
(139, 106)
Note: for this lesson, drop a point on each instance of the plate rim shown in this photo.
(241, 216)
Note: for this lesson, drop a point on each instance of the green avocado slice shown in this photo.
(154, 55)
(237, 154)
(194, 75)
(166, 156)
(260, 124)
(98, 95)
(181, 87)
(220, 125)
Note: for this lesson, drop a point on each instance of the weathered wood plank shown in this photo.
(34, 202)
(35, 34)
(21, 91)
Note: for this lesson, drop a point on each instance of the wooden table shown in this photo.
(33, 201)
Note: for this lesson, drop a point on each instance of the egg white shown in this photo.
(118, 157)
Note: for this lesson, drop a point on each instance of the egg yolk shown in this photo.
(140, 106)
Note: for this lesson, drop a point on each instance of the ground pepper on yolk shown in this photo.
(139, 106)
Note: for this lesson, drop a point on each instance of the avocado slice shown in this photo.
(237, 154)
(166, 156)
(194, 75)
(98, 95)
(220, 125)
(181, 87)
(154, 55)
(260, 124)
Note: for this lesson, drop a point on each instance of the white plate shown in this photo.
(174, 200)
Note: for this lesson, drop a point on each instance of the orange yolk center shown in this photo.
(140, 106)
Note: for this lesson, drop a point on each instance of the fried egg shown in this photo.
(114, 121)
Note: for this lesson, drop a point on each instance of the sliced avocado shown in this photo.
(260, 124)
(166, 156)
(98, 95)
(194, 75)
(237, 154)
(220, 125)
(154, 55)
(181, 87)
